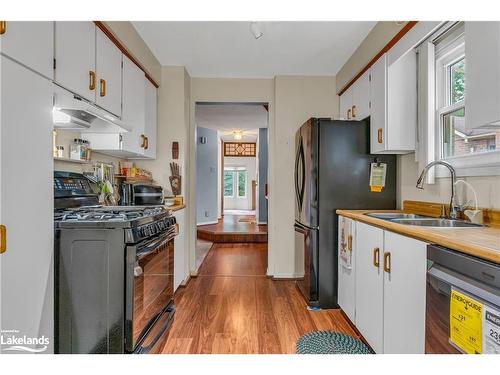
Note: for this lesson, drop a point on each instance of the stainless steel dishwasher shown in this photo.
(462, 303)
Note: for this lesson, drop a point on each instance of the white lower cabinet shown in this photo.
(180, 258)
(347, 272)
(26, 266)
(404, 294)
(370, 284)
(390, 282)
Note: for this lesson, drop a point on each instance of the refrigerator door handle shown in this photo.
(303, 174)
(297, 188)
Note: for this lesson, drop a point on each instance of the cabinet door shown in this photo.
(378, 99)
(347, 281)
(404, 294)
(31, 44)
(134, 101)
(346, 104)
(361, 97)
(26, 151)
(482, 51)
(151, 120)
(369, 284)
(109, 74)
(402, 104)
(180, 258)
(75, 57)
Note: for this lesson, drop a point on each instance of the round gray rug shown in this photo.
(330, 342)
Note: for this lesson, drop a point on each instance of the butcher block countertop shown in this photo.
(176, 207)
(483, 242)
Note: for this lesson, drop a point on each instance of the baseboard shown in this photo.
(207, 223)
(261, 222)
(287, 276)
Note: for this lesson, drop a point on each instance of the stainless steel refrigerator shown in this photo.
(332, 171)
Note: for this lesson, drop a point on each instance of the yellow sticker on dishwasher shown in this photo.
(466, 316)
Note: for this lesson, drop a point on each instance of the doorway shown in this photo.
(231, 206)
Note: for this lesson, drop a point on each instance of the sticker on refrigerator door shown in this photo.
(466, 318)
(378, 172)
(491, 330)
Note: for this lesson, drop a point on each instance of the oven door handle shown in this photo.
(154, 244)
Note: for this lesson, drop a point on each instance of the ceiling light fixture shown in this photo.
(238, 135)
(255, 30)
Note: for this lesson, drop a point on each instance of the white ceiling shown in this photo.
(226, 118)
(228, 49)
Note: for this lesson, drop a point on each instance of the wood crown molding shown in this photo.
(386, 48)
(124, 50)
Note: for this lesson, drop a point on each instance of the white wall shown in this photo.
(487, 188)
(296, 99)
(250, 164)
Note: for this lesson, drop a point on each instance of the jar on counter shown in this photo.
(59, 151)
(80, 150)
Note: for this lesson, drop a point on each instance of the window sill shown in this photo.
(482, 164)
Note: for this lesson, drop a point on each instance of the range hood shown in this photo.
(74, 112)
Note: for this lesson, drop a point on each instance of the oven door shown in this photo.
(149, 289)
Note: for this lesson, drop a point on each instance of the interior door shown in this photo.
(75, 57)
(27, 264)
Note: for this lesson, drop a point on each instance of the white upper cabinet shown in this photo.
(29, 43)
(109, 74)
(346, 278)
(75, 49)
(393, 93)
(378, 117)
(134, 102)
(355, 101)
(346, 104)
(361, 97)
(151, 120)
(482, 90)
(405, 271)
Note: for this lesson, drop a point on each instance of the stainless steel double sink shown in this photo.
(422, 221)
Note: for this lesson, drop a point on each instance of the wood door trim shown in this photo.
(124, 50)
(404, 30)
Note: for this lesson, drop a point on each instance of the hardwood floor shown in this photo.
(234, 229)
(232, 307)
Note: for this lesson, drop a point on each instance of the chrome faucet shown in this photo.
(454, 208)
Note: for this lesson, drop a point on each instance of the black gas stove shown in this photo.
(114, 271)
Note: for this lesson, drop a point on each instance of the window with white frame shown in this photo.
(454, 141)
(235, 182)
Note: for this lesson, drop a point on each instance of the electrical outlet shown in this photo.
(207, 213)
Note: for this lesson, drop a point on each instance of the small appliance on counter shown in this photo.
(141, 194)
(114, 268)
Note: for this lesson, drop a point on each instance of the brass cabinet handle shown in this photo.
(349, 242)
(3, 239)
(349, 113)
(379, 135)
(102, 91)
(3, 27)
(376, 257)
(353, 111)
(143, 140)
(146, 146)
(387, 262)
(91, 80)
